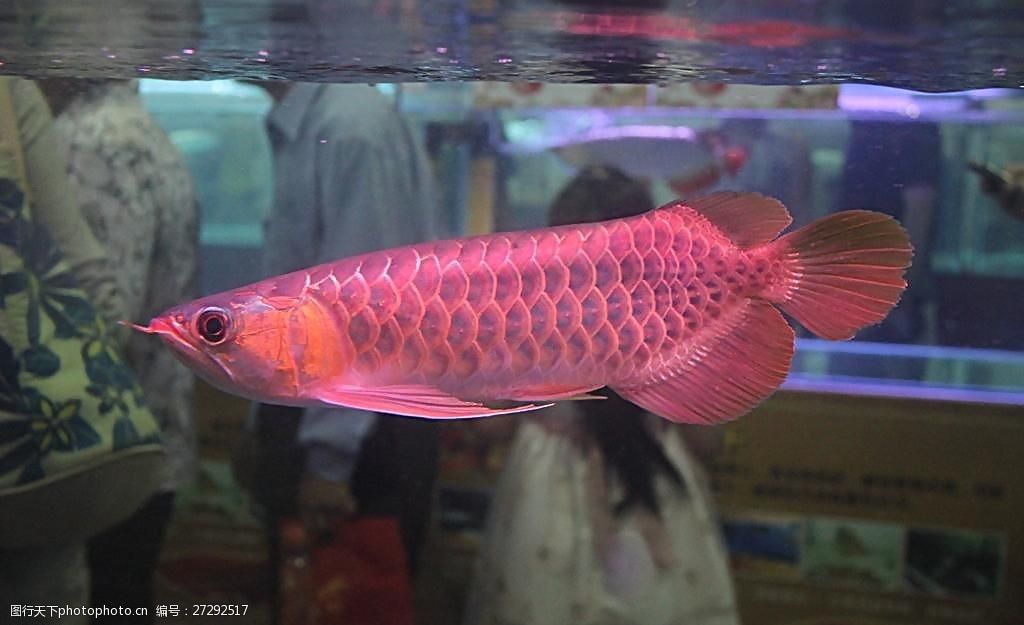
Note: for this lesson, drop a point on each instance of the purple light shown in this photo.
(903, 391)
(635, 131)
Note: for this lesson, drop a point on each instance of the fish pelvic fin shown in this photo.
(742, 361)
(845, 272)
(556, 392)
(412, 400)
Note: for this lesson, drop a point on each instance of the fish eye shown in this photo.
(212, 325)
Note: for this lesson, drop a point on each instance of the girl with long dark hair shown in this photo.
(601, 515)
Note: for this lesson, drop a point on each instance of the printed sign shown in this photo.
(841, 509)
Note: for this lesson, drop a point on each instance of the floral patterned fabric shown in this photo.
(65, 395)
(137, 196)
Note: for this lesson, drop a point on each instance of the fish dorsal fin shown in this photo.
(748, 219)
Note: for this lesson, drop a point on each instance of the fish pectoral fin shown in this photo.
(411, 400)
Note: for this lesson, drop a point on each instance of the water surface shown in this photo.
(928, 46)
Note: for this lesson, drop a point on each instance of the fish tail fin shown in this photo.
(845, 272)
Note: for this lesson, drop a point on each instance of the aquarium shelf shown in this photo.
(927, 371)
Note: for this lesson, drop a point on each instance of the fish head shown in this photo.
(237, 341)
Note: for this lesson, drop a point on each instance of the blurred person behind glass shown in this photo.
(895, 167)
(778, 164)
(78, 451)
(137, 197)
(351, 176)
(601, 514)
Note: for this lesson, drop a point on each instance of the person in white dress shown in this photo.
(601, 515)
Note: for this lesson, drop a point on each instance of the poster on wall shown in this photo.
(835, 509)
(880, 511)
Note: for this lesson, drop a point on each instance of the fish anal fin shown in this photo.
(733, 372)
(748, 219)
(553, 392)
(410, 400)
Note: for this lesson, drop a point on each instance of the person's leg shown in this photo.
(39, 577)
(419, 448)
(123, 559)
(394, 477)
(278, 468)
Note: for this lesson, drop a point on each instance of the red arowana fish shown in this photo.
(676, 309)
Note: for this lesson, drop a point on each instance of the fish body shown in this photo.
(675, 309)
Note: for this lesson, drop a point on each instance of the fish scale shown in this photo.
(677, 310)
(542, 280)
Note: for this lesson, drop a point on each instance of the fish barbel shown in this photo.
(676, 309)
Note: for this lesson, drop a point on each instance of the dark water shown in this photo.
(923, 45)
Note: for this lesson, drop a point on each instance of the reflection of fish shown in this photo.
(689, 160)
(754, 33)
(1006, 187)
(662, 153)
(775, 33)
(674, 309)
(728, 161)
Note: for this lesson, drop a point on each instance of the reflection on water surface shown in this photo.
(912, 44)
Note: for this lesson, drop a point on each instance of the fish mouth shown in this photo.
(158, 325)
(166, 328)
(172, 333)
